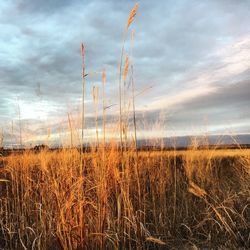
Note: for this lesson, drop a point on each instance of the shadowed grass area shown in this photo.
(188, 199)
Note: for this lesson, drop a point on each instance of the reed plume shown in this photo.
(196, 190)
(132, 15)
(125, 73)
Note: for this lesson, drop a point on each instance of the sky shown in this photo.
(191, 62)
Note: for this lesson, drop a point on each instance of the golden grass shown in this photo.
(114, 199)
(132, 15)
(46, 203)
(125, 73)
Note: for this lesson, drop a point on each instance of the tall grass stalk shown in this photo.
(133, 88)
(83, 85)
(71, 131)
(20, 124)
(129, 22)
(104, 78)
(125, 110)
(2, 139)
(12, 135)
(95, 95)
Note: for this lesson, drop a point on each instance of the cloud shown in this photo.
(47, 7)
(223, 110)
(188, 51)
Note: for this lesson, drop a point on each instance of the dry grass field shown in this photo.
(193, 199)
(121, 198)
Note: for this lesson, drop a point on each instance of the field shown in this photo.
(101, 178)
(192, 199)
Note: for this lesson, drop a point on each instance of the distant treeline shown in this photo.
(38, 148)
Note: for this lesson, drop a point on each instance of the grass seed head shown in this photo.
(155, 240)
(82, 50)
(195, 190)
(132, 15)
(104, 77)
(126, 68)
